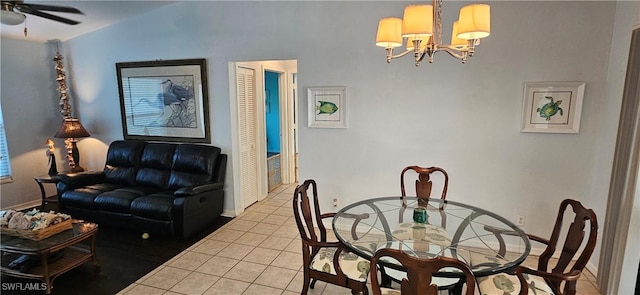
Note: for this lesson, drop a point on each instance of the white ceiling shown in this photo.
(97, 14)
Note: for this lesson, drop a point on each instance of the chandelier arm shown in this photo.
(459, 54)
(451, 51)
(391, 56)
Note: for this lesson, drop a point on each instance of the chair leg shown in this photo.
(305, 285)
(313, 283)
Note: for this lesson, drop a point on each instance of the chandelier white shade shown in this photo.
(421, 26)
(414, 22)
(389, 32)
(474, 21)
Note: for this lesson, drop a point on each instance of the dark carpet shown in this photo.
(124, 258)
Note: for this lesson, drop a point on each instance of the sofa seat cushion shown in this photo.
(84, 197)
(119, 200)
(158, 206)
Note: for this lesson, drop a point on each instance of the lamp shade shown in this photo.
(417, 21)
(71, 128)
(11, 18)
(474, 21)
(389, 32)
(456, 42)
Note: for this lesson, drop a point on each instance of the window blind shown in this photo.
(5, 162)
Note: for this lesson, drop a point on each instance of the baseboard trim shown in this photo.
(25, 206)
(229, 213)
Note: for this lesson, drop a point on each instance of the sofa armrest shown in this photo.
(197, 189)
(76, 180)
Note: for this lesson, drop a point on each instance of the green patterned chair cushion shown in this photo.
(353, 266)
(509, 285)
(422, 232)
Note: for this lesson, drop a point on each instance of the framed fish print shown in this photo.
(164, 100)
(327, 107)
(552, 107)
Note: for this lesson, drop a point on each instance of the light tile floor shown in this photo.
(259, 252)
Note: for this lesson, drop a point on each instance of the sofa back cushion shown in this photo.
(155, 165)
(123, 160)
(192, 164)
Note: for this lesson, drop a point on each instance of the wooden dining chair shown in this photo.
(423, 190)
(424, 186)
(324, 260)
(549, 276)
(419, 279)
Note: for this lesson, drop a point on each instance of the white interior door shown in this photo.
(247, 121)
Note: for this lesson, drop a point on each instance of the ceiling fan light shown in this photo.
(11, 18)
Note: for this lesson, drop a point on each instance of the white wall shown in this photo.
(464, 118)
(31, 115)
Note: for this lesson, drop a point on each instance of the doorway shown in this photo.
(272, 126)
(255, 109)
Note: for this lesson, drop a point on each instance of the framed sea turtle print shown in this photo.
(327, 107)
(552, 107)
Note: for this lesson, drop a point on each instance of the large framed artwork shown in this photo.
(552, 107)
(327, 107)
(164, 100)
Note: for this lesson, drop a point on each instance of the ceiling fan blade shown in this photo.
(50, 8)
(51, 17)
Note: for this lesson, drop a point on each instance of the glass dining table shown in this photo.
(429, 228)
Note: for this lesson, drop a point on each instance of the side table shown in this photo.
(46, 178)
(78, 244)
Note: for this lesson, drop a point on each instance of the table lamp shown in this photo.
(70, 130)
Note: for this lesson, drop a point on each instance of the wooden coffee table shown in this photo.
(78, 244)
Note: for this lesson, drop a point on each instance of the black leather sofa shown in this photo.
(158, 188)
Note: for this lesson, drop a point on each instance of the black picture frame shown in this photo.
(164, 100)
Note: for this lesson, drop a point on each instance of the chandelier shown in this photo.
(421, 25)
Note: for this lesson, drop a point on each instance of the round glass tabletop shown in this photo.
(487, 242)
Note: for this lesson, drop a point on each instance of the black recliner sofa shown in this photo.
(161, 188)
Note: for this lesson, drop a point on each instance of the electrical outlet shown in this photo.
(335, 202)
(520, 220)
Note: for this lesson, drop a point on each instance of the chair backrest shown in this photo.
(419, 272)
(423, 186)
(308, 219)
(424, 183)
(573, 242)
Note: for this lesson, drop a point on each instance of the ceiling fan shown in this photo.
(12, 12)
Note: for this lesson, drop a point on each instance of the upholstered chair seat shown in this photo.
(509, 284)
(352, 265)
